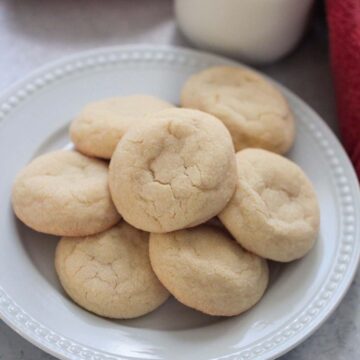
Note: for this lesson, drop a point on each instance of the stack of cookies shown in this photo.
(141, 228)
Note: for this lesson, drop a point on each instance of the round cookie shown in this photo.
(64, 193)
(109, 273)
(174, 171)
(100, 125)
(274, 212)
(207, 270)
(253, 110)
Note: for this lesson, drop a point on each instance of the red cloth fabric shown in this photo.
(344, 32)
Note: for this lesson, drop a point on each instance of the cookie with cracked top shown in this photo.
(109, 273)
(64, 193)
(204, 268)
(176, 170)
(274, 212)
(254, 111)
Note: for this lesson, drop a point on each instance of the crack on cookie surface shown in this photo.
(105, 271)
(179, 164)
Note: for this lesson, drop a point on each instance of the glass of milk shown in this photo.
(256, 31)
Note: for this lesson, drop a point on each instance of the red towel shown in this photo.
(344, 31)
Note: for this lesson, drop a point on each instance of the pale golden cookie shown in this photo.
(101, 124)
(110, 273)
(207, 270)
(174, 171)
(274, 212)
(253, 110)
(64, 193)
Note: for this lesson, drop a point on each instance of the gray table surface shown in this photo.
(33, 32)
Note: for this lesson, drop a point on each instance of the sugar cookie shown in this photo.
(274, 212)
(101, 124)
(173, 173)
(207, 270)
(64, 193)
(253, 110)
(110, 273)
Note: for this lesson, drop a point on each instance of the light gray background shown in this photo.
(33, 32)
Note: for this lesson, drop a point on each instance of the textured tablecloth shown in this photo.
(344, 39)
(33, 32)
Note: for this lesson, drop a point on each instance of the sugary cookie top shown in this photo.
(207, 270)
(173, 172)
(254, 111)
(110, 273)
(274, 211)
(285, 194)
(101, 124)
(65, 193)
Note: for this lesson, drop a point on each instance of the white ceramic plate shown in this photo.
(34, 117)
